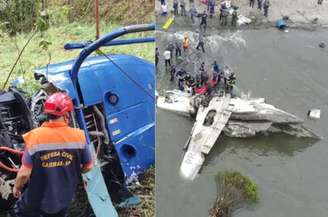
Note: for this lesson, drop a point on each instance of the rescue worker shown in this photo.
(183, 8)
(167, 58)
(234, 18)
(231, 82)
(185, 43)
(176, 7)
(55, 155)
(203, 21)
(200, 42)
(266, 6)
(251, 3)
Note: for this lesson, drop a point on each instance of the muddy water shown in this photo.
(291, 72)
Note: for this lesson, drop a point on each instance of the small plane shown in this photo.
(234, 116)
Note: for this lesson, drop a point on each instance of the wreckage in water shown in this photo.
(236, 117)
(113, 97)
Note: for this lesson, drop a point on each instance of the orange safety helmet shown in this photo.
(58, 104)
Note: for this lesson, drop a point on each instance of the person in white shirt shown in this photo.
(164, 9)
(167, 57)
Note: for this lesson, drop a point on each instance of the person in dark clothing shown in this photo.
(163, 2)
(234, 18)
(181, 75)
(231, 82)
(183, 8)
(221, 14)
(171, 47)
(202, 67)
(177, 49)
(54, 157)
(175, 7)
(259, 4)
(156, 57)
(200, 42)
(203, 21)
(251, 3)
(224, 19)
(198, 79)
(266, 6)
(212, 8)
(172, 72)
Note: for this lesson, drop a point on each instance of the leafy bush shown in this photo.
(233, 191)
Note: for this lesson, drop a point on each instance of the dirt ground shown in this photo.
(300, 12)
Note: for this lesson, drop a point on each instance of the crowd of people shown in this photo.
(205, 80)
(261, 4)
(225, 10)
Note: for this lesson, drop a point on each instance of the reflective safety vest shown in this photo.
(55, 152)
(185, 43)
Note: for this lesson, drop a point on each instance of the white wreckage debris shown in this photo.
(236, 117)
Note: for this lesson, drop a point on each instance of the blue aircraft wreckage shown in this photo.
(114, 99)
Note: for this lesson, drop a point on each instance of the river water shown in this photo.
(291, 72)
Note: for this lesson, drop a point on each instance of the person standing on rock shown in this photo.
(266, 6)
(200, 42)
(259, 4)
(167, 57)
(176, 7)
(251, 3)
(183, 7)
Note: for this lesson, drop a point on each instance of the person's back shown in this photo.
(167, 54)
(55, 155)
(55, 152)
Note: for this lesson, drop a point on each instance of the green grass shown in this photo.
(34, 56)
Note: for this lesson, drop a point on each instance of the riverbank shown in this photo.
(301, 14)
